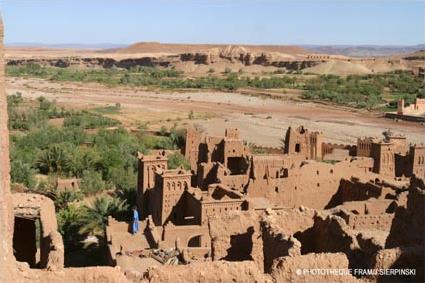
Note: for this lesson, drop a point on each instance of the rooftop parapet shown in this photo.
(157, 155)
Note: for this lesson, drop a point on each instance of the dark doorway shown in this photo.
(25, 240)
(237, 165)
(297, 147)
(194, 242)
(240, 246)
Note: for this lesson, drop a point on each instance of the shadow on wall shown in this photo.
(349, 190)
(240, 246)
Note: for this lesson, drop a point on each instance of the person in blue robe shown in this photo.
(135, 220)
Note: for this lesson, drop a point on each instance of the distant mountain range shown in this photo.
(346, 50)
(67, 45)
(364, 50)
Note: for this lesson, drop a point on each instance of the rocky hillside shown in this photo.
(228, 56)
(201, 59)
(155, 47)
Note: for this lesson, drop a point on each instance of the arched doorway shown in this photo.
(195, 241)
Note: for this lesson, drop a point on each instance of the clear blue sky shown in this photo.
(384, 22)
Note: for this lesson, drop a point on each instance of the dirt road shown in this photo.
(260, 120)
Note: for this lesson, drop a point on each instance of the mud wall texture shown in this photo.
(276, 244)
(6, 216)
(291, 268)
(237, 237)
(40, 207)
(217, 271)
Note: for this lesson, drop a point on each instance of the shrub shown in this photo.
(92, 182)
(177, 159)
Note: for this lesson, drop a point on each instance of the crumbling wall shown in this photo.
(237, 237)
(99, 274)
(276, 244)
(368, 222)
(293, 220)
(407, 229)
(368, 215)
(330, 233)
(278, 231)
(354, 189)
(311, 184)
(51, 244)
(216, 271)
(298, 268)
(399, 258)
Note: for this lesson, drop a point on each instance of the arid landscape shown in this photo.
(171, 162)
(267, 111)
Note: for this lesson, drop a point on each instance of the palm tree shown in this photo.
(127, 194)
(53, 160)
(63, 198)
(68, 224)
(96, 215)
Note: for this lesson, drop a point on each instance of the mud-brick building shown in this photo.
(148, 164)
(416, 108)
(301, 141)
(166, 199)
(393, 156)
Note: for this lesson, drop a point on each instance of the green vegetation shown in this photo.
(103, 160)
(109, 109)
(177, 159)
(148, 76)
(367, 91)
(360, 91)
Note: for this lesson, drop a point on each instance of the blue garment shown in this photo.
(135, 221)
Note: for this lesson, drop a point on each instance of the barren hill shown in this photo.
(156, 47)
(357, 67)
(418, 55)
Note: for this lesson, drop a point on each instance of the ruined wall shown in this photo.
(237, 237)
(399, 258)
(359, 246)
(407, 227)
(277, 244)
(217, 271)
(371, 222)
(290, 269)
(51, 244)
(371, 214)
(354, 189)
(273, 166)
(181, 235)
(312, 184)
